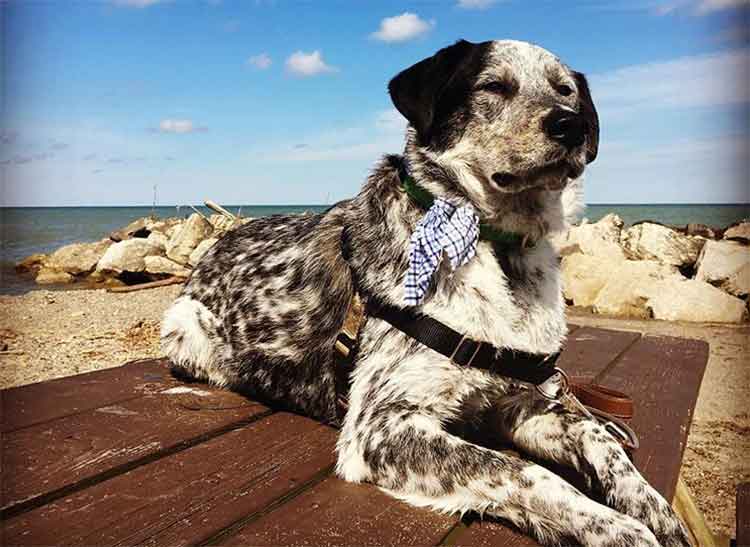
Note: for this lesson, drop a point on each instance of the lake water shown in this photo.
(28, 230)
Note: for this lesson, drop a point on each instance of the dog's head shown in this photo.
(506, 116)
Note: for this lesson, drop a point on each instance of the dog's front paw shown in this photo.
(639, 500)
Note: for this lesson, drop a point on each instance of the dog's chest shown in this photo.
(520, 306)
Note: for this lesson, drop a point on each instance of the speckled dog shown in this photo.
(507, 128)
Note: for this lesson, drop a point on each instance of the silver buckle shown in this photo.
(458, 347)
(554, 388)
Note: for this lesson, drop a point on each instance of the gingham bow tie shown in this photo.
(445, 227)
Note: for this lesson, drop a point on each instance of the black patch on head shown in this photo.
(434, 93)
(590, 117)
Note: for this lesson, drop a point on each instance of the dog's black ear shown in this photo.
(590, 117)
(435, 86)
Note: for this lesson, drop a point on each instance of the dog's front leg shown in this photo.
(420, 463)
(551, 431)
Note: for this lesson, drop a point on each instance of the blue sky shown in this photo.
(285, 102)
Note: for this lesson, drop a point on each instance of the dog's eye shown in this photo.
(564, 90)
(499, 88)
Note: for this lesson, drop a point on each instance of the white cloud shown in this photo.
(384, 134)
(178, 126)
(400, 28)
(138, 3)
(705, 170)
(307, 64)
(716, 79)
(475, 4)
(261, 61)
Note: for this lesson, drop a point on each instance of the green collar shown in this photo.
(486, 232)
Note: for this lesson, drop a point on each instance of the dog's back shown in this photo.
(262, 309)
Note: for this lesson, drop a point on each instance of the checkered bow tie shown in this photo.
(445, 228)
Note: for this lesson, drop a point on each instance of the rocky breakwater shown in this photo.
(145, 250)
(650, 270)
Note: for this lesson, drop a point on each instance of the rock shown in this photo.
(159, 265)
(127, 256)
(721, 261)
(137, 228)
(583, 276)
(158, 239)
(184, 241)
(31, 263)
(693, 300)
(648, 241)
(164, 225)
(200, 250)
(629, 285)
(694, 229)
(600, 238)
(47, 276)
(78, 258)
(739, 232)
(222, 223)
(738, 283)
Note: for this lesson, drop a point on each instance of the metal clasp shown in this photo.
(458, 347)
(556, 386)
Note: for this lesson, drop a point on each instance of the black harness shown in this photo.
(519, 365)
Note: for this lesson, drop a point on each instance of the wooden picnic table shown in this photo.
(131, 455)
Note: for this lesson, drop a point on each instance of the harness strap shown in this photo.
(462, 350)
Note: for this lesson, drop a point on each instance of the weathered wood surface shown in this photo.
(743, 515)
(132, 456)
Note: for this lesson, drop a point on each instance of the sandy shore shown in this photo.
(50, 334)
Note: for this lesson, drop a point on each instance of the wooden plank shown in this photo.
(188, 497)
(589, 350)
(36, 403)
(491, 533)
(40, 460)
(663, 376)
(743, 515)
(336, 513)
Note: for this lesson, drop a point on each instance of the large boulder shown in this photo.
(31, 264)
(738, 283)
(77, 258)
(158, 265)
(722, 261)
(200, 250)
(49, 276)
(137, 228)
(739, 232)
(163, 225)
(222, 223)
(127, 256)
(629, 286)
(583, 276)
(600, 238)
(692, 300)
(696, 229)
(649, 241)
(187, 238)
(158, 239)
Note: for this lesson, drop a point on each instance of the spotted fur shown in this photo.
(262, 309)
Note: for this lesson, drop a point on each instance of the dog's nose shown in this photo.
(565, 127)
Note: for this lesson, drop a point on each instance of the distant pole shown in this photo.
(153, 206)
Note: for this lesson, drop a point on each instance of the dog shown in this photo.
(504, 127)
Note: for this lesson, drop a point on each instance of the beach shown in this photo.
(51, 334)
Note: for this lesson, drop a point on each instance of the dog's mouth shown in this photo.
(553, 176)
